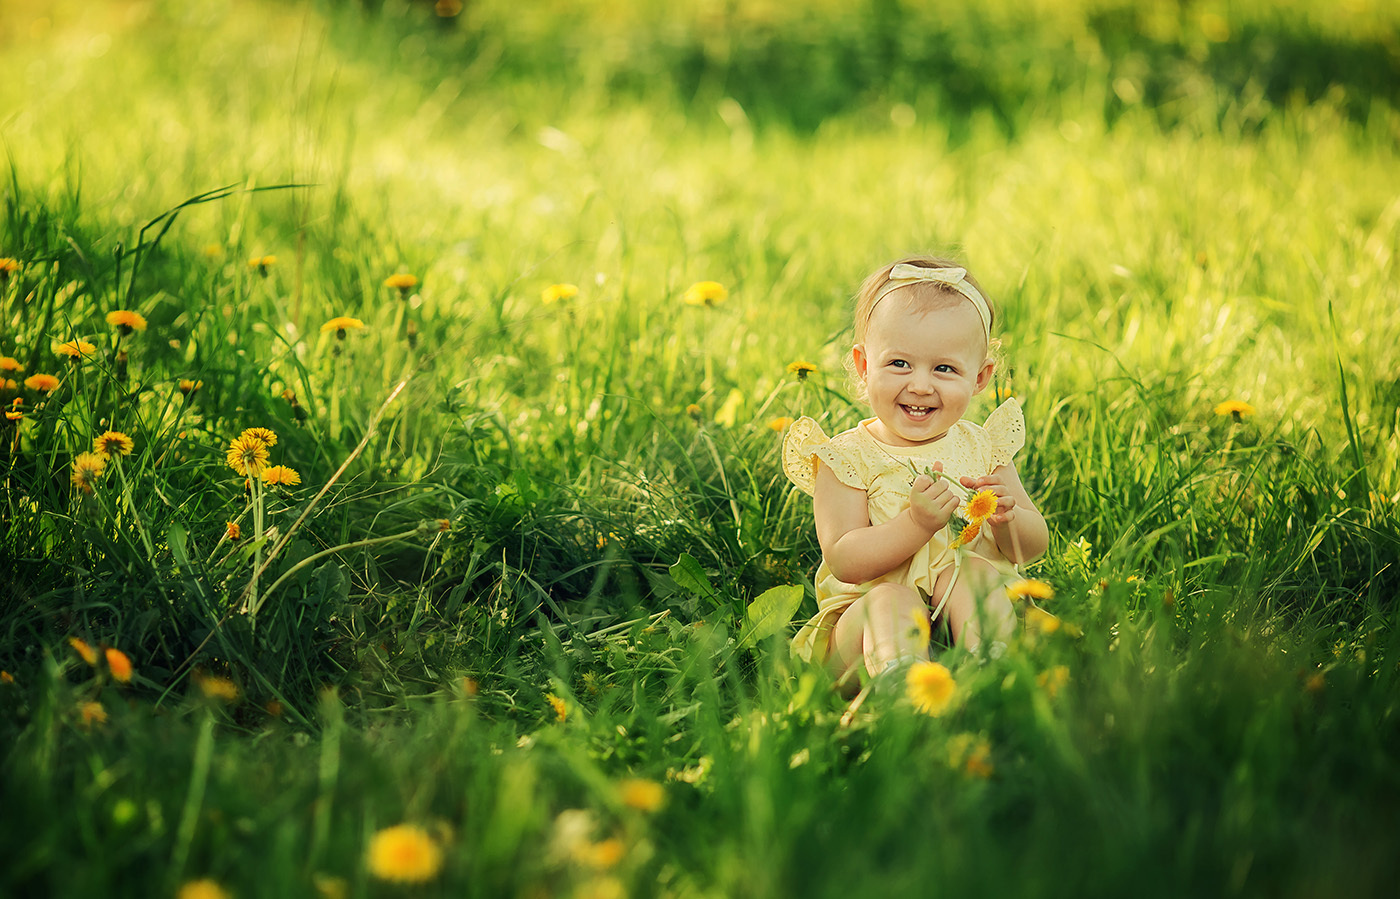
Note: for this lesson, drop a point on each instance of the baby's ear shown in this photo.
(861, 360)
(984, 374)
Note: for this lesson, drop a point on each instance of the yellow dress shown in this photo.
(886, 473)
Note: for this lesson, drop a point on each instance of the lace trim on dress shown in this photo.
(804, 443)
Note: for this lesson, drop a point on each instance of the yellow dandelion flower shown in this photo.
(1236, 408)
(10, 363)
(968, 534)
(1053, 679)
(1041, 621)
(119, 665)
(693, 410)
(643, 795)
(92, 713)
(1027, 588)
(401, 282)
(76, 349)
(15, 413)
(8, 266)
(42, 383)
(281, 475)
(779, 424)
(202, 889)
(232, 530)
(86, 652)
(558, 293)
(405, 854)
(87, 468)
(561, 709)
(262, 263)
(801, 369)
(981, 506)
(922, 628)
(188, 386)
(340, 324)
(602, 855)
(972, 755)
(931, 686)
(266, 435)
(220, 688)
(705, 293)
(126, 320)
(9, 385)
(247, 456)
(113, 443)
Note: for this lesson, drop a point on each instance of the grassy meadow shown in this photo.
(515, 620)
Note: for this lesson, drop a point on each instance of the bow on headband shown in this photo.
(905, 274)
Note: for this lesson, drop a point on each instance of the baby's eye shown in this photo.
(945, 368)
(899, 363)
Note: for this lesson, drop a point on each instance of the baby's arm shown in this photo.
(857, 551)
(1017, 525)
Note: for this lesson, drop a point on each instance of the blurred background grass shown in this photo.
(1174, 203)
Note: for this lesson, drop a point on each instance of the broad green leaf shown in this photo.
(770, 613)
(178, 549)
(689, 576)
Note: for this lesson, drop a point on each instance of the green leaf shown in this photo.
(178, 548)
(770, 613)
(689, 576)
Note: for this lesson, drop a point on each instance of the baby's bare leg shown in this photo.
(977, 608)
(878, 629)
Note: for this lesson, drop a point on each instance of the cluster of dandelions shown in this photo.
(249, 454)
(89, 467)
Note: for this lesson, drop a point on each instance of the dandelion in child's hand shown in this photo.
(980, 506)
(281, 475)
(801, 369)
(10, 363)
(87, 468)
(405, 854)
(84, 651)
(1235, 408)
(42, 383)
(202, 889)
(557, 293)
(1027, 588)
(643, 795)
(266, 435)
(968, 534)
(340, 324)
(126, 321)
(113, 443)
(76, 349)
(403, 283)
(119, 665)
(705, 293)
(247, 455)
(930, 686)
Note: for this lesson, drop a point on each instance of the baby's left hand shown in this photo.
(1006, 504)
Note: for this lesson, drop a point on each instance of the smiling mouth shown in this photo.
(917, 411)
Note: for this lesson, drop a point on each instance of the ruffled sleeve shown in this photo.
(1006, 432)
(803, 445)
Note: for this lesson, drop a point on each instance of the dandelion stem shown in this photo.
(131, 507)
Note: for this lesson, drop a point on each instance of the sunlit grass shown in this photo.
(459, 624)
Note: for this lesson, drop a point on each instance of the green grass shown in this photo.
(1174, 206)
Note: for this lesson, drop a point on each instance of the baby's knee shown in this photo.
(893, 597)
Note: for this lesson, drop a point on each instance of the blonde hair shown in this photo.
(925, 291)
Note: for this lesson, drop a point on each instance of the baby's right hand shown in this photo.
(931, 502)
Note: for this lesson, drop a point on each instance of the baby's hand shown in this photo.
(932, 502)
(1006, 504)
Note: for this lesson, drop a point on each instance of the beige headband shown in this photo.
(904, 274)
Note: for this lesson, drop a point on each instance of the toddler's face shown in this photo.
(922, 364)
